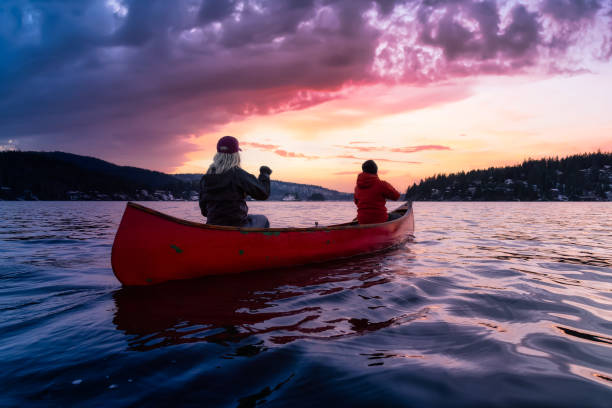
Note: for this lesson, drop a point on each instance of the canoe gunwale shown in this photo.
(151, 247)
(406, 208)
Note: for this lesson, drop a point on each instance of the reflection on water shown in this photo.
(230, 309)
(494, 304)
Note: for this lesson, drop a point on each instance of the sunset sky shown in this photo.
(311, 88)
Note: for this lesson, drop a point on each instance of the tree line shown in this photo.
(582, 177)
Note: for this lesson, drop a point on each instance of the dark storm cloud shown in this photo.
(457, 40)
(606, 48)
(77, 75)
(571, 10)
(214, 10)
(118, 77)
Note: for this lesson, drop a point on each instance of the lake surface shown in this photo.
(492, 305)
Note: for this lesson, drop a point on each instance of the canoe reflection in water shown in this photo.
(277, 306)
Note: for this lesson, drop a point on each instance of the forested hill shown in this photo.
(583, 177)
(66, 176)
(288, 191)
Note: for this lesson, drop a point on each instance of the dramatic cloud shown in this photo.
(517, 42)
(571, 10)
(142, 76)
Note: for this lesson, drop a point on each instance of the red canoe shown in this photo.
(151, 247)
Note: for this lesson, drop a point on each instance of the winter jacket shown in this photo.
(370, 196)
(223, 196)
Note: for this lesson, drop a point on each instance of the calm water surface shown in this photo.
(493, 304)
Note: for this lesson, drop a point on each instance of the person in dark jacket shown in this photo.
(371, 194)
(225, 186)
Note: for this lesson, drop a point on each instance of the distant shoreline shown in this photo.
(59, 176)
(577, 178)
(48, 176)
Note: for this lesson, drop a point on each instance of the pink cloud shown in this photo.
(355, 173)
(277, 150)
(348, 156)
(414, 149)
(396, 161)
(408, 149)
(260, 146)
(285, 153)
(361, 148)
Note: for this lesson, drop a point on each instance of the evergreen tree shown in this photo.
(578, 177)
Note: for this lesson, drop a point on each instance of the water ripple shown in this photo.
(493, 304)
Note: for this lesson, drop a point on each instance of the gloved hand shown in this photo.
(265, 170)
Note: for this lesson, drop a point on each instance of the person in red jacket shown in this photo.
(371, 194)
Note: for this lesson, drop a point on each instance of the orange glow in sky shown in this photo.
(310, 88)
(416, 132)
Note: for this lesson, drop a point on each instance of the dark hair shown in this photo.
(369, 166)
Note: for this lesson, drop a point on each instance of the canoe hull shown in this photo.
(152, 247)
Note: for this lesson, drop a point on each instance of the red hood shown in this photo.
(366, 180)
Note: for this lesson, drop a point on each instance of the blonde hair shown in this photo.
(223, 162)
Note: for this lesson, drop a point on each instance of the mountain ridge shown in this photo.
(67, 176)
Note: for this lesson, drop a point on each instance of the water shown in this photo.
(493, 304)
